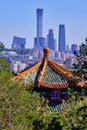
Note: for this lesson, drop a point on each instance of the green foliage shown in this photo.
(80, 68)
(86, 40)
(77, 116)
(1, 46)
(24, 109)
(57, 121)
(83, 48)
(19, 108)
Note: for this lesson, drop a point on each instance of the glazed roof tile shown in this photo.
(50, 75)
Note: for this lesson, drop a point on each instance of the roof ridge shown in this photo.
(59, 70)
(64, 68)
(42, 71)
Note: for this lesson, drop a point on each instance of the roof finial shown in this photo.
(46, 52)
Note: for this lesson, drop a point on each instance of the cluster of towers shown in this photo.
(41, 42)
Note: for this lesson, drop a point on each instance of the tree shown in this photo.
(22, 108)
(76, 116)
(1, 46)
(80, 68)
(86, 40)
(18, 107)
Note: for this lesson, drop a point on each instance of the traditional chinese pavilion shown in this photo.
(50, 78)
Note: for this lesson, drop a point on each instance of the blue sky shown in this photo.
(18, 18)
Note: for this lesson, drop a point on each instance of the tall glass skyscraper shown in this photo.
(62, 42)
(39, 41)
(39, 22)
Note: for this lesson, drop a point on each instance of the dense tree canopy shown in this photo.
(24, 109)
(76, 116)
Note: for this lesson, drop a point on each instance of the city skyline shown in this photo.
(18, 18)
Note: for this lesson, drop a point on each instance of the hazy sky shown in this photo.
(18, 18)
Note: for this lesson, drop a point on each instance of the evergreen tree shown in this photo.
(1, 46)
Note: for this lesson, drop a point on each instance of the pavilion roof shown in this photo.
(48, 73)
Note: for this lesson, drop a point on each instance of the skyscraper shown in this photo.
(39, 22)
(50, 40)
(18, 43)
(62, 42)
(39, 41)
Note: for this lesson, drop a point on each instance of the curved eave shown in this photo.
(61, 70)
(54, 85)
(62, 67)
(31, 69)
(82, 84)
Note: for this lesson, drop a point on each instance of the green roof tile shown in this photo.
(33, 76)
(51, 75)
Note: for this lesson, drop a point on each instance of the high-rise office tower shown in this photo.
(39, 41)
(39, 22)
(18, 43)
(50, 40)
(55, 45)
(62, 42)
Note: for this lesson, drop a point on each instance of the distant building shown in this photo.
(62, 41)
(69, 62)
(51, 42)
(55, 45)
(74, 48)
(17, 66)
(13, 58)
(67, 48)
(18, 43)
(39, 41)
(39, 22)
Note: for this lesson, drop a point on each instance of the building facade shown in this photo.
(39, 22)
(62, 41)
(18, 43)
